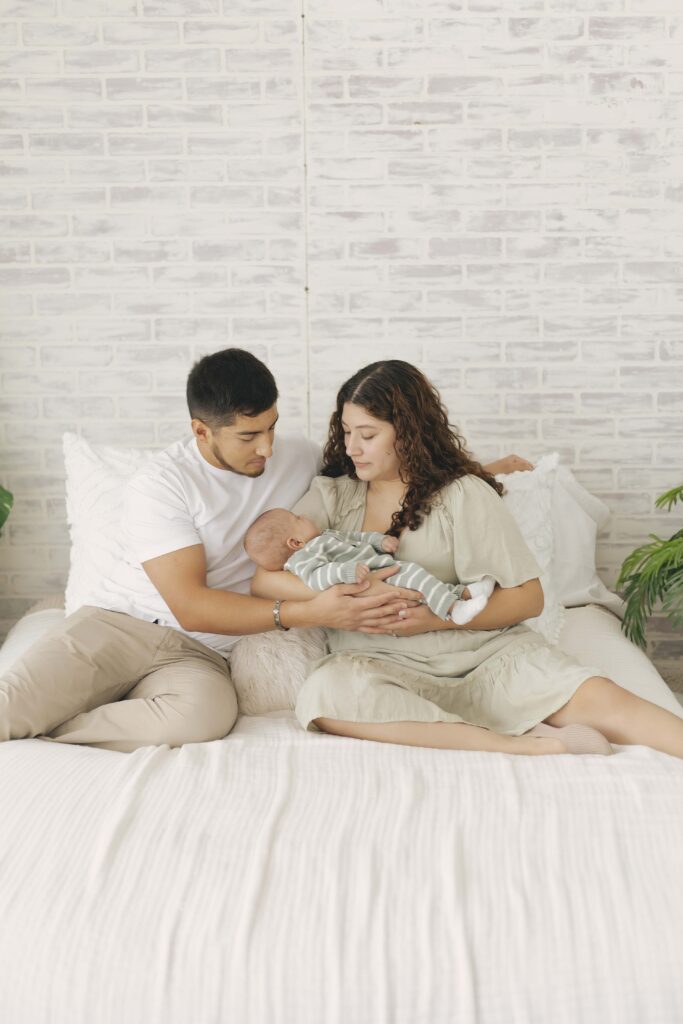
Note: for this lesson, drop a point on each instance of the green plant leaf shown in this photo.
(652, 573)
(6, 502)
(669, 499)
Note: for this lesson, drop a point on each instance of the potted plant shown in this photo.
(6, 502)
(651, 573)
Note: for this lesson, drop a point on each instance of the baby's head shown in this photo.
(275, 535)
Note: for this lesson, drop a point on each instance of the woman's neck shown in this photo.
(387, 489)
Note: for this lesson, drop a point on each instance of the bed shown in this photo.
(284, 877)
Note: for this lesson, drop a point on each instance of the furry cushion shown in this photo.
(268, 669)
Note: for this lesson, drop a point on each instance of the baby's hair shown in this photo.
(266, 539)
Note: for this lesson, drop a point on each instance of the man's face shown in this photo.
(244, 447)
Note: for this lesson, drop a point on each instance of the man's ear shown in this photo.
(201, 430)
(293, 543)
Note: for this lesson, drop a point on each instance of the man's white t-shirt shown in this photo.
(178, 500)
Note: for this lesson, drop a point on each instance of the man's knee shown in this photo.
(205, 721)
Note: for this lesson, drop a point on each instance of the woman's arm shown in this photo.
(506, 607)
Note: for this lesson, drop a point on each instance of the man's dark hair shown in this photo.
(229, 384)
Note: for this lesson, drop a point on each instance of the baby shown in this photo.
(278, 539)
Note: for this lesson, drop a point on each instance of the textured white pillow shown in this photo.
(95, 478)
(268, 669)
(529, 496)
(577, 517)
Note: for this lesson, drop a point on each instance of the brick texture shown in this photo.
(492, 190)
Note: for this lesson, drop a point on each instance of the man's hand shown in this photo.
(378, 586)
(350, 606)
(510, 464)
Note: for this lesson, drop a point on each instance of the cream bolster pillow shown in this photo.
(268, 669)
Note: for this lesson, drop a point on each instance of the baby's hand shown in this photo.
(465, 596)
(390, 545)
(362, 571)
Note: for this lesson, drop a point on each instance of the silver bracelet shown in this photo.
(276, 617)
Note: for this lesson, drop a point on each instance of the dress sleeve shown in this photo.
(486, 539)
(319, 502)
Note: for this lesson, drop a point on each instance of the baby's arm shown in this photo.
(312, 565)
(380, 542)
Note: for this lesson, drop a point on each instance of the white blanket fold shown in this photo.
(279, 877)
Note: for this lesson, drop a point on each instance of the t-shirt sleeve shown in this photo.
(156, 519)
(319, 502)
(486, 539)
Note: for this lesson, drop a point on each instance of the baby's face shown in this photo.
(304, 529)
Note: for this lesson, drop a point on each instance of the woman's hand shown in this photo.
(510, 464)
(506, 607)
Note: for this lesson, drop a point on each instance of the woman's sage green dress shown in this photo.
(506, 680)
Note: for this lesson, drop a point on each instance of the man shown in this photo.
(145, 662)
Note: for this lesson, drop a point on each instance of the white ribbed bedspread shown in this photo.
(279, 877)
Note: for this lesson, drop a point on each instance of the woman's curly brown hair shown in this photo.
(431, 452)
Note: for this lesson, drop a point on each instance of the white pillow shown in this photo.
(26, 632)
(529, 496)
(95, 478)
(577, 516)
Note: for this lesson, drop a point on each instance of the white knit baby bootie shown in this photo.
(465, 611)
(482, 587)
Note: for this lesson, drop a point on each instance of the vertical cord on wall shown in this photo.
(304, 132)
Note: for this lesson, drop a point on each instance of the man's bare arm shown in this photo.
(180, 578)
(510, 464)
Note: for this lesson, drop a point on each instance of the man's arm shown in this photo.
(510, 464)
(180, 578)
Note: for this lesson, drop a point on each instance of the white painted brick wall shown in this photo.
(492, 189)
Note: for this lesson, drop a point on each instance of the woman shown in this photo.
(393, 464)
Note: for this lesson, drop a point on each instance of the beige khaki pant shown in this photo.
(109, 680)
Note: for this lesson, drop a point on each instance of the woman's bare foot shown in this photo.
(533, 745)
(577, 739)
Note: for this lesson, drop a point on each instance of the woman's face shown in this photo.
(370, 443)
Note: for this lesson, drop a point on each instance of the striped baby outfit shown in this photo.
(332, 557)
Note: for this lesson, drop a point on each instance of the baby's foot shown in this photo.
(465, 611)
(483, 587)
(362, 570)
